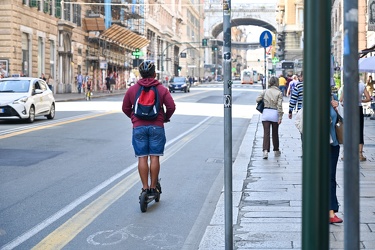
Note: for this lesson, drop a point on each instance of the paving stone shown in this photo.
(268, 202)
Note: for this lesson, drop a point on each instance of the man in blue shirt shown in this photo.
(79, 82)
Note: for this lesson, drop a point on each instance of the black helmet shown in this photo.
(147, 69)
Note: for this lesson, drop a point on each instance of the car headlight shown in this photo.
(21, 100)
(184, 85)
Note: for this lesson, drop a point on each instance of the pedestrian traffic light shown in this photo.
(204, 42)
(215, 48)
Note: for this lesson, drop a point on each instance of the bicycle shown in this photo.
(88, 95)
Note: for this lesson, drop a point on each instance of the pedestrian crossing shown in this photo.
(234, 86)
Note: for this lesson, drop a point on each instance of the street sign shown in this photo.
(265, 39)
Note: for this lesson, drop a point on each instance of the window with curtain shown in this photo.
(33, 3)
(40, 56)
(25, 54)
(52, 58)
(58, 8)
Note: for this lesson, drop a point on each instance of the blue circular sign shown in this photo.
(265, 39)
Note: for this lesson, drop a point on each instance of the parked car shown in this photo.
(179, 83)
(25, 98)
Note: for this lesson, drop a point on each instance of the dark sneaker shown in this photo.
(154, 192)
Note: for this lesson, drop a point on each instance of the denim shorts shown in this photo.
(148, 140)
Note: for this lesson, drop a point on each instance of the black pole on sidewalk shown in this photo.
(227, 72)
(351, 128)
(316, 101)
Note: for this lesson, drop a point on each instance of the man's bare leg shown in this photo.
(154, 170)
(143, 171)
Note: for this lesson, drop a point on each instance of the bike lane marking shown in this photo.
(41, 226)
(61, 236)
(57, 123)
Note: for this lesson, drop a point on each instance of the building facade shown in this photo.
(365, 36)
(62, 39)
(290, 27)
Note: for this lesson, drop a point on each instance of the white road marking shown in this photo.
(41, 226)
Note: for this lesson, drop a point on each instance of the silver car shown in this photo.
(25, 98)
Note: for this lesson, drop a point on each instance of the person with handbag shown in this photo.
(363, 97)
(272, 116)
(334, 157)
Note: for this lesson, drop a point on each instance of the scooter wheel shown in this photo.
(143, 202)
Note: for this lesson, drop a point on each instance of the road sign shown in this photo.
(265, 39)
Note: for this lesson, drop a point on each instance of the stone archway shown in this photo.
(218, 28)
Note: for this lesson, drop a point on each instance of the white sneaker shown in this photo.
(277, 153)
(265, 154)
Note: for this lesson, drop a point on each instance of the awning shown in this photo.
(94, 24)
(124, 37)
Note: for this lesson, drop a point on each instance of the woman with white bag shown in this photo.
(271, 116)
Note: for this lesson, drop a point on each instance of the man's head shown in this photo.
(147, 69)
(300, 77)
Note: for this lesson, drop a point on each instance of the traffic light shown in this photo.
(215, 48)
(179, 68)
(280, 53)
(204, 42)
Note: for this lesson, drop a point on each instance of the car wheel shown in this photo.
(31, 118)
(51, 114)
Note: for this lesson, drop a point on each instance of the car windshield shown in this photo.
(179, 79)
(14, 86)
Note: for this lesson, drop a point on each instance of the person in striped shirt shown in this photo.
(296, 98)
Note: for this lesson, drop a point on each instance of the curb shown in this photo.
(214, 236)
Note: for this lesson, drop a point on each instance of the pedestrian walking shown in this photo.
(334, 156)
(292, 85)
(79, 82)
(363, 97)
(108, 83)
(370, 86)
(148, 137)
(43, 77)
(296, 98)
(282, 84)
(272, 116)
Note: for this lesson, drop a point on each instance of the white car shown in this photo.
(25, 98)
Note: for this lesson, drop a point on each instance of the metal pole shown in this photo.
(227, 65)
(351, 128)
(265, 69)
(316, 110)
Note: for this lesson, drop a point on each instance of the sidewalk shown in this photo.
(267, 202)
(75, 96)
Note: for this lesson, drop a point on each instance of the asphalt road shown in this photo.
(72, 182)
